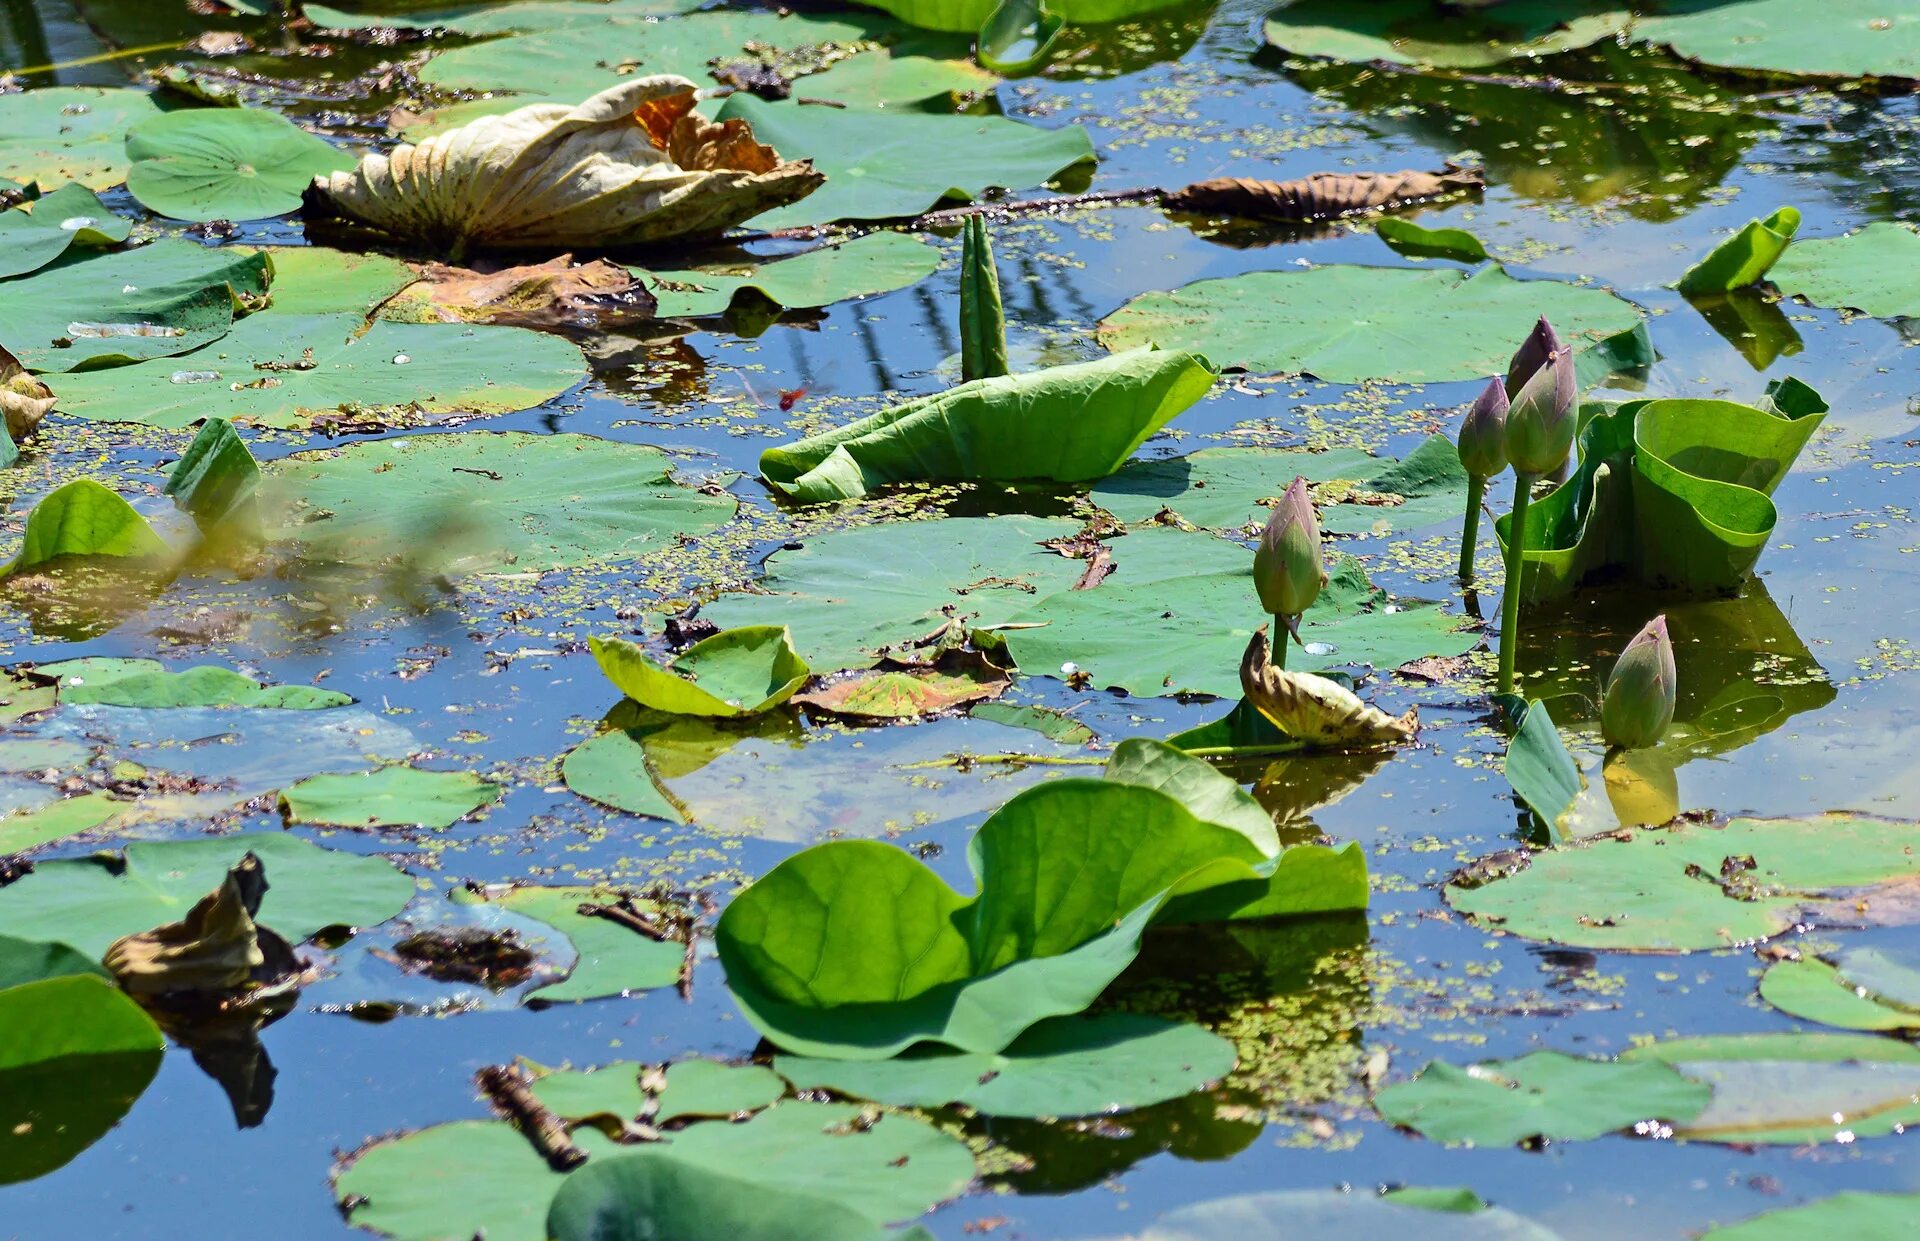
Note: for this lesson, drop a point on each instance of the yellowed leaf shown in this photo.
(23, 398)
(1315, 710)
(217, 947)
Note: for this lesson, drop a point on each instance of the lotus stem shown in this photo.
(1470, 527)
(1279, 656)
(1510, 596)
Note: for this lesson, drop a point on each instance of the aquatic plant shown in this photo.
(1288, 571)
(1638, 706)
(1483, 454)
(1539, 434)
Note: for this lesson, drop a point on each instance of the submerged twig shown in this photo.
(506, 1086)
(626, 915)
(964, 761)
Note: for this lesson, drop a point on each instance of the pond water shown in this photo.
(1612, 166)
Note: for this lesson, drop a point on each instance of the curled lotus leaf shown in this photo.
(633, 165)
(24, 400)
(1314, 709)
(217, 947)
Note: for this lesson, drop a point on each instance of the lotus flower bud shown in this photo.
(1532, 354)
(1540, 422)
(1483, 436)
(1638, 705)
(1287, 570)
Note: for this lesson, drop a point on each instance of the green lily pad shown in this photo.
(1210, 795)
(84, 518)
(1542, 1095)
(78, 1053)
(1871, 271)
(876, 161)
(56, 820)
(1795, 1089)
(1065, 424)
(1049, 723)
(1688, 887)
(25, 960)
(1411, 239)
(225, 163)
(844, 596)
(285, 370)
(854, 950)
(148, 683)
(1337, 1215)
(317, 280)
(1857, 1216)
(90, 902)
(217, 483)
(478, 19)
(609, 959)
(1413, 32)
(1176, 615)
(1228, 489)
(70, 133)
(1537, 765)
(125, 306)
(388, 797)
(1862, 989)
(474, 1177)
(1674, 492)
(1070, 1066)
(968, 16)
(875, 263)
(1347, 324)
(1840, 39)
(735, 672)
(691, 1088)
(614, 769)
(493, 501)
(1744, 258)
(35, 235)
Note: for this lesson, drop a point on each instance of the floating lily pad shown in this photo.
(1070, 1066)
(1795, 1089)
(735, 672)
(84, 519)
(24, 960)
(126, 305)
(1065, 424)
(895, 694)
(90, 902)
(1231, 488)
(317, 280)
(1862, 989)
(1687, 887)
(876, 161)
(875, 263)
(690, 1088)
(1542, 1095)
(609, 959)
(56, 820)
(148, 683)
(490, 501)
(1411, 239)
(478, 19)
(285, 370)
(1840, 39)
(70, 133)
(1857, 1216)
(77, 1054)
(31, 237)
(1049, 723)
(217, 483)
(1347, 324)
(967, 16)
(846, 595)
(225, 163)
(1872, 271)
(1337, 1215)
(613, 768)
(388, 797)
(483, 1177)
(1413, 32)
(1176, 615)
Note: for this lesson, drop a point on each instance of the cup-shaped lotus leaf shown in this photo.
(634, 165)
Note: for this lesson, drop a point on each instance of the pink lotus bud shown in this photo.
(1287, 569)
(1483, 436)
(1531, 355)
(1638, 707)
(1541, 421)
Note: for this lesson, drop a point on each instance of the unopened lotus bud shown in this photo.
(1541, 420)
(1638, 706)
(1483, 436)
(1287, 570)
(1532, 354)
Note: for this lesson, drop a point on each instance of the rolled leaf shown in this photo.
(1744, 258)
(1314, 709)
(635, 164)
(1017, 36)
(983, 324)
(1065, 424)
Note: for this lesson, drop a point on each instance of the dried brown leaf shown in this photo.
(23, 398)
(548, 294)
(1322, 195)
(1315, 710)
(217, 947)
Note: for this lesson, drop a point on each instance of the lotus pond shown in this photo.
(634, 619)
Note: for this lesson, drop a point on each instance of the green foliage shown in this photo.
(148, 683)
(609, 959)
(1862, 989)
(983, 324)
(1872, 271)
(1414, 33)
(1858, 1216)
(746, 292)
(1346, 324)
(1744, 258)
(1066, 423)
(217, 481)
(31, 237)
(225, 163)
(1017, 36)
(388, 797)
(1794, 1089)
(1411, 239)
(735, 672)
(69, 133)
(1542, 1095)
(84, 518)
(1537, 765)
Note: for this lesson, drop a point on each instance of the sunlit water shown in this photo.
(1625, 192)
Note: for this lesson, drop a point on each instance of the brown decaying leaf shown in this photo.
(23, 398)
(217, 947)
(1323, 195)
(1315, 710)
(900, 694)
(556, 292)
(635, 164)
(1434, 669)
